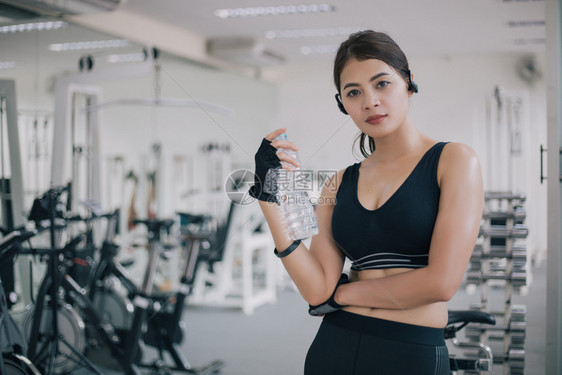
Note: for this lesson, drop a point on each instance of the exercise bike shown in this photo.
(165, 327)
(56, 331)
(12, 343)
(110, 290)
(484, 360)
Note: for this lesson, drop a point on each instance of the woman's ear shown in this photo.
(412, 86)
(340, 104)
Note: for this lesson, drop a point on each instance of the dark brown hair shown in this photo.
(364, 45)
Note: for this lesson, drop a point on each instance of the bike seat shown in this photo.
(127, 263)
(155, 225)
(470, 316)
(186, 218)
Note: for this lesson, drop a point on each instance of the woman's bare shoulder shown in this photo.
(458, 158)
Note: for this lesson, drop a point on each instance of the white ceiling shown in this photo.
(429, 27)
(421, 27)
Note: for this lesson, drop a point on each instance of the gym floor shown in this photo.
(274, 340)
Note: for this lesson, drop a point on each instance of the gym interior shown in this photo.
(128, 130)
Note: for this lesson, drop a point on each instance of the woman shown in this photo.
(407, 216)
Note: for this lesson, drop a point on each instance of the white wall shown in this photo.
(130, 131)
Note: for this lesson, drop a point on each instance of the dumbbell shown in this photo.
(518, 256)
(499, 265)
(517, 277)
(495, 267)
(518, 214)
(491, 195)
(496, 231)
(518, 252)
(514, 359)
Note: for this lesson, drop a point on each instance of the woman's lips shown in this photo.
(373, 120)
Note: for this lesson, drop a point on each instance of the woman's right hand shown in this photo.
(288, 162)
(267, 157)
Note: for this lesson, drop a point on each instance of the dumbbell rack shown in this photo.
(499, 261)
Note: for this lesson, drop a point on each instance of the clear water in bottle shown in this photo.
(293, 198)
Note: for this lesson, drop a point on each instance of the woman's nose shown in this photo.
(371, 100)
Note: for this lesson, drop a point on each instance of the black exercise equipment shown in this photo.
(13, 346)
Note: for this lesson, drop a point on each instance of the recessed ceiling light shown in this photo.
(96, 44)
(7, 64)
(319, 49)
(308, 33)
(33, 26)
(279, 10)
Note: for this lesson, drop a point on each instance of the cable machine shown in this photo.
(11, 179)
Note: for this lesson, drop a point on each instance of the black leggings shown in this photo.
(351, 344)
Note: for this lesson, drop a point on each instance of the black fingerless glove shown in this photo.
(330, 305)
(266, 158)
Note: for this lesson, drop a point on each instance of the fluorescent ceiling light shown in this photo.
(319, 49)
(34, 26)
(307, 33)
(280, 10)
(7, 64)
(96, 44)
(526, 23)
(529, 41)
(126, 57)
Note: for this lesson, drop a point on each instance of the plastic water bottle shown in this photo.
(293, 198)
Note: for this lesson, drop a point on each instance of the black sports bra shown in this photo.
(398, 233)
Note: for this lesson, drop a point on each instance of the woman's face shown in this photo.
(375, 96)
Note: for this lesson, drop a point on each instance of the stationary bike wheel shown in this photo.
(112, 303)
(71, 328)
(18, 365)
(13, 367)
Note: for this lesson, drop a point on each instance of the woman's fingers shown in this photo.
(288, 162)
(280, 144)
(285, 144)
(271, 136)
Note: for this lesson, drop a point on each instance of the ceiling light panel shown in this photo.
(33, 26)
(310, 33)
(526, 23)
(96, 44)
(280, 10)
(7, 64)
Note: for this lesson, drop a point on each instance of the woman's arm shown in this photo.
(454, 236)
(315, 271)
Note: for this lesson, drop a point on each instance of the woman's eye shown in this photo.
(382, 84)
(352, 93)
